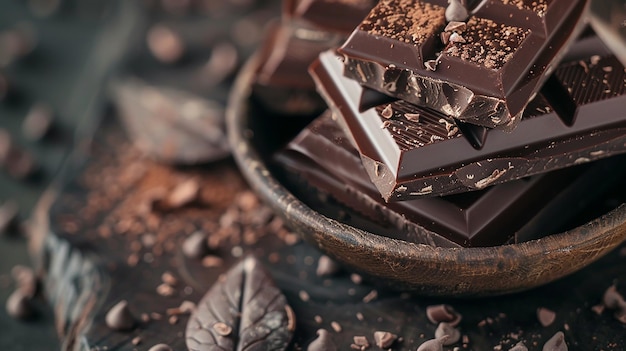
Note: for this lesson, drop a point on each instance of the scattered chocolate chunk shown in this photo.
(556, 343)
(161, 347)
(169, 279)
(519, 347)
(136, 340)
(326, 267)
(183, 194)
(245, 297)
(384, 339)
(371, 296)
(356, 278)
(165, 44)
(612, 299)
(119, 317)
(304, 296)
(360, 343)
(165, 290)
(336, 326)
(212, 261)
(545, 316)
(443, 313)
(19, 306)
(433, 344)
(38, 122)
(445, 329)
(195, 245)
(598, 309)
(456, 11)
(323, 342)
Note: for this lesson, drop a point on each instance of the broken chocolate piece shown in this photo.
(321, 156)
(119, 317)
(323, 342)
(545, 316)
(556, 343)
(507, 52)
(433, 344)
(443, 313)
(453, 334)
(577, 117)
(384, 339)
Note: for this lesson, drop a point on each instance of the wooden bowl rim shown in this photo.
(393, 260)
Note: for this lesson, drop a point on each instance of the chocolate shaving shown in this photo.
(247, 301)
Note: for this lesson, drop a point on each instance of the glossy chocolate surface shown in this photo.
(483, 72)
(340, 16)
(323, 157)
(411, 152)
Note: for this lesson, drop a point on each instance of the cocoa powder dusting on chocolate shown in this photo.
(487, 43)
(405, 20)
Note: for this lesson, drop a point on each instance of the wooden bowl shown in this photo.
(429, 270)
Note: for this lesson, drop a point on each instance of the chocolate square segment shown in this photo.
(409, 151)
(483, 72)
(323, 157)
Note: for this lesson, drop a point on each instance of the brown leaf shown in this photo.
(246, 303)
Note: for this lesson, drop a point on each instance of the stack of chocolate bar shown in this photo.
(468, 123)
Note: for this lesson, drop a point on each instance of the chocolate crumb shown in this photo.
(323, 342)
(361, 342)
(360, 316)
(119, 317)
(556, 343)
(326, 267)
(136, 340)
(26, 280)
(356, 278)
(304, 296)
(612, 298)
(318, 319)
(545, 316)
(169, 279)
(212, 261)
(161, 347)
(445, 329)
(336, 326)
(172, 320)
(19, 306)
(598, 309)
(387, 112)
(519, 347)
(165, 290)
(372, 295)
(443, 313)
(164, 44)
(413, 117)
(183, 194)
(433, 344)
(384, 339)
(195, 245)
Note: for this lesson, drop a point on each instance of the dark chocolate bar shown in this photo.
(483, 71)
(516, 211)
(340, 16)
(409, 151)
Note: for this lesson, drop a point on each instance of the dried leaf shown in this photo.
(246, 302)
